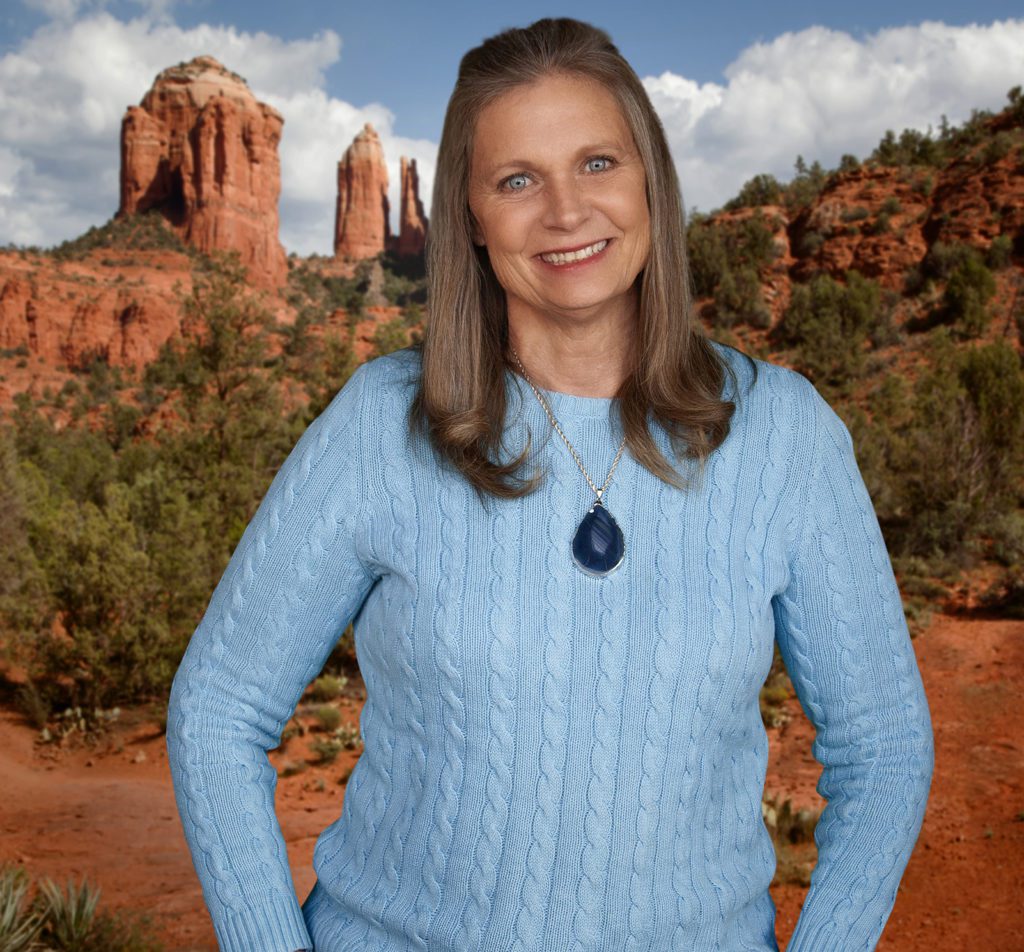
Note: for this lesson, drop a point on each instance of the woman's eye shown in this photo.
(598, 164)
(517, 182)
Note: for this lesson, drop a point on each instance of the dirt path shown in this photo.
(110, 812)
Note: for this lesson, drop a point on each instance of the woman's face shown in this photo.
(557, 190)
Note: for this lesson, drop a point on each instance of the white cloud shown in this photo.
(820, 93)
(64, 91)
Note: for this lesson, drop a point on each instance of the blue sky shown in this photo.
(741, 87)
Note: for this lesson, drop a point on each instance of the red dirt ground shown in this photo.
(109, 811)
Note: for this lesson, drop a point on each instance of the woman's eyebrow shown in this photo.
(502, 165)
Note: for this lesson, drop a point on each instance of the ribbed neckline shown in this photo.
(565, 406)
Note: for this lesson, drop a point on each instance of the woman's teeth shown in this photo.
(588, 252)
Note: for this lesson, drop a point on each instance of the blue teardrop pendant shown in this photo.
(598, 546)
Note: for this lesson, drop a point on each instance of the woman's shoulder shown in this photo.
(756, 381)
(388, 377)
(400, 368)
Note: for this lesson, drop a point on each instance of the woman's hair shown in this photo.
(675, 373)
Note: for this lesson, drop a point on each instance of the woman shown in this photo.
(566, 574)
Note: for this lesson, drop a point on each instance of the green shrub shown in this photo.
(943, 259)
(760, 190)
(880, 225)
(390, 336)
(968, 291)
(857, 213)
(65, 921)
(925, 185)
(328, 687)
(829, 324)
(739, 299)
(810, 244)
(327, 749)
(960, 462)
(716, 248)
(1000, 253)
(998, 147)
(148, 231)
(328, 717)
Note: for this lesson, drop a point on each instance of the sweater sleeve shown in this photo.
(843, 636)
(291, 587)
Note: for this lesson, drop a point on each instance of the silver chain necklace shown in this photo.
(598, 547)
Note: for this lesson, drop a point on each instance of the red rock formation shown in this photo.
(361, 225)
(57, 317)
(202, 150)
(413, 221)
(868, 219)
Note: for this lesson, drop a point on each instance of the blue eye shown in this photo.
(517, 182)
(603, 163)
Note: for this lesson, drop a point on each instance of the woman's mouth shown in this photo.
(561, 258)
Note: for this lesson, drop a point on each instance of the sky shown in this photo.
(741, 87)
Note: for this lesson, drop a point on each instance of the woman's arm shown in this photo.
(290, 589)
(843, 636)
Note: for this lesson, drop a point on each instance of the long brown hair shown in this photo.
(675, 373)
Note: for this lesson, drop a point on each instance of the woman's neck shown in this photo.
(585, 359)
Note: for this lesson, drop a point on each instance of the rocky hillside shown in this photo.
(935, 222)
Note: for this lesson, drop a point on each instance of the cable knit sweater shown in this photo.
(553, 760)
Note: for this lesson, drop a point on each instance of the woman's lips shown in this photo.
(563, 260)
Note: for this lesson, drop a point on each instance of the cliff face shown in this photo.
(361, 222)
(203, 151)
(57, 317)
(413, 231)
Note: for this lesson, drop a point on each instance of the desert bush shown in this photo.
(962, 456)
(805, 186)
(739, 299)
(828, 325)
(880, 225)
(1005, 595)
(725, 258)
(390, 336)
(760, 190)
(1000, 253)
(148, 231)
(942, 259)
(327, 687)
(968, 291)
(65, 919)
(328, 717)
(327, 749)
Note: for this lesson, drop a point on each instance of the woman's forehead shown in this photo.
(554, 113)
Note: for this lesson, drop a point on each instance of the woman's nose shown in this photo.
(566, 205)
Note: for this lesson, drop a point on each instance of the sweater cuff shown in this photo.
(276, 926)
(825, 924)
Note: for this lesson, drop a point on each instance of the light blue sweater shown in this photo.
(556, 761)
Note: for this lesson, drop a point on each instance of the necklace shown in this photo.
(598, 547)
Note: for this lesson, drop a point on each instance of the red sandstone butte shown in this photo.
(413, 228)
(361, 223)
(202, 150)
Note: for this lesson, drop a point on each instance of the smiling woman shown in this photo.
(563, 740)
